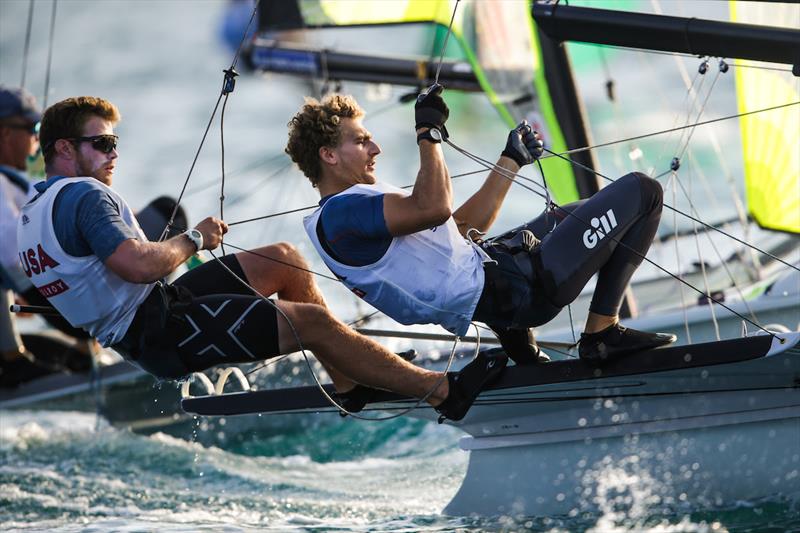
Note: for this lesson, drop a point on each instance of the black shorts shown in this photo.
(205, 318)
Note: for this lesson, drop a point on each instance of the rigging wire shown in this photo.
(257, 187)
(27, 44)
(511, 175)
(670, 130)
(297, 210)
(742, 217)
(232, 68)
(50, 54)
(251, 252)
(681, 287)
(690, 102)
(444, 45)
(690, 217)
(688, 196)
(676, 162)
(699, 114)
(243, 171)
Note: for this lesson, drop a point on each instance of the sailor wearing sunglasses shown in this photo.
(19, 123)
(82, 248)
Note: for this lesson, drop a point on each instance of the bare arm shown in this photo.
(145, 262)
(523, 146)
(482, 208)
(429, 203)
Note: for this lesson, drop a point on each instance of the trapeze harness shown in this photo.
(534, 279)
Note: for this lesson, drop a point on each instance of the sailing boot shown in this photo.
(520, 346)
(354, 400)
(466, 384)
(599, 348)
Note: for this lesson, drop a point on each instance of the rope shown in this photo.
(444, 45)
(27, 44)
(208, 126)
(222, 161)
(676, 180)
(49, 54)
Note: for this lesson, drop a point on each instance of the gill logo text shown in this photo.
(596, 233)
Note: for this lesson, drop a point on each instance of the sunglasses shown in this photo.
(32, 129)
(101, 143)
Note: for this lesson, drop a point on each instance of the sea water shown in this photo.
(161, 63)
(64, 471)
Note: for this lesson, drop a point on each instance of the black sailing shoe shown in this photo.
(359, 396)
(520, 346)
(466, 384)
(598, 348)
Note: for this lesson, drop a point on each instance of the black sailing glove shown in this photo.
(431, 111)
(523, 145)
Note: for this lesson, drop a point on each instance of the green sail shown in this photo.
(770, 140)
(499, 41)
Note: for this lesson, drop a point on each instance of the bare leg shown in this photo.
(279, 268)
(359, 358)
(286, 273)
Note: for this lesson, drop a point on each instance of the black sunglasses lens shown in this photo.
(104, 144)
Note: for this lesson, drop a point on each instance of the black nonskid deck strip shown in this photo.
(647, 362)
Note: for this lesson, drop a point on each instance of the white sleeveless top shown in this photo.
(433, 276)
(83, 289)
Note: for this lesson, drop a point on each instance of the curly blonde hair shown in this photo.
(66, 119)
(317, 125)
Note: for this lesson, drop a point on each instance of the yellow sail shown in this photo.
(770, 140)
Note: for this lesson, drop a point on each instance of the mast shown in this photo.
(569, 110)
(571, 118)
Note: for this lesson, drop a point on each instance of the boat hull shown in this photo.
(710, 435)
(708, 467)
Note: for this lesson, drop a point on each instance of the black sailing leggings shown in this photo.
(607, 234)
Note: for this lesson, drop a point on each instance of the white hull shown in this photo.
(711, 466)
(708, 435)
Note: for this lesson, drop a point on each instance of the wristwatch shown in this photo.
(433, 135)
(196, 237)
